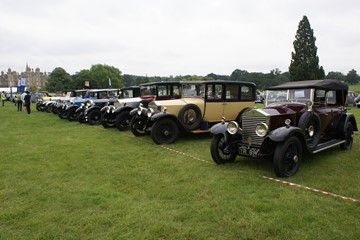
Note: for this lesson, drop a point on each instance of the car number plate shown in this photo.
(248, 151)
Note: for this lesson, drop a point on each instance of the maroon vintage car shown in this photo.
(303, 115)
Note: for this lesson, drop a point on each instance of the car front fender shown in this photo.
(280, 134)
(219, 128)
(123, 108)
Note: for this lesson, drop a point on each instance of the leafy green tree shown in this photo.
(305, 62)
(100, 75)
(58, 80)
(80, 78)
(352, 77)
(336, 75)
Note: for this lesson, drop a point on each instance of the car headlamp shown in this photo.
(261, 129)
(139, 110)
(149, 112)
(232, 127)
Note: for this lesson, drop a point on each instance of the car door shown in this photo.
(214, 102)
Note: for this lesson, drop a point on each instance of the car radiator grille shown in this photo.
(249, 125)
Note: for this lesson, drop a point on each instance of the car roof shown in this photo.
(326, 84)
(160, 83)
(217, 81)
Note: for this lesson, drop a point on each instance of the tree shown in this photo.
(305, 62)
(100, 74)
(336, 75)
(58, 80)
(352, 77)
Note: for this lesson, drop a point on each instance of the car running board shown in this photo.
(327, 145)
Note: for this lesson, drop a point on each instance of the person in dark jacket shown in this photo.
(27, 101)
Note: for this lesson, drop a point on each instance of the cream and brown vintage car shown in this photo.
(202, 104)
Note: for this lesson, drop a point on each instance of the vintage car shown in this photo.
(119, 114)
(62, 104)
(298, 116)
(202, 104)
(350, 101)
(75, 106)
(90, 111)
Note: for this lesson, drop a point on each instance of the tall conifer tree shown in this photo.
(305, 62)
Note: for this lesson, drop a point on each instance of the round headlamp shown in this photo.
(138, 111)
(261, 129)
(232, 127)
(149, 112)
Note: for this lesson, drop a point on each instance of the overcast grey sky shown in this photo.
(174, 37)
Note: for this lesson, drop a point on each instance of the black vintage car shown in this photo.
(299, 116)
(119, 114)
(89, 111)
(127, 94)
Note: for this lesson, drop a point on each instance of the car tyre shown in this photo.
(135, 129)
(217, 150)
(164, 131)
(123, 120)
(94, 117)
(71, 115)
(310, 123)
(348, 137)
(287, 157)
(190, 117)
(105, 122)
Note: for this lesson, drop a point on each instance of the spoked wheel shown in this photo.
(164, 131)
(218, 150)
(287, 157)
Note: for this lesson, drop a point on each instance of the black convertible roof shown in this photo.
(326, 84)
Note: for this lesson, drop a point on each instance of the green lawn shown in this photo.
(64, 180)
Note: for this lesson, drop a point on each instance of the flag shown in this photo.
(109, 82)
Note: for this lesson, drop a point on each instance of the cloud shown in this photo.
(175, 37)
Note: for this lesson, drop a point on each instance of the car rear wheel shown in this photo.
(123, 120)
(349, 137)
(287, 157)
(164, 131)
(218, 152)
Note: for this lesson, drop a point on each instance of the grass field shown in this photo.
(64, 180)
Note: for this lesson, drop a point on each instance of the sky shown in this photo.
(174, 37)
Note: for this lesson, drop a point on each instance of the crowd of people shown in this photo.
(19, 101)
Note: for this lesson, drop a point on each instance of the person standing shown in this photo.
(3, 98)
(19, 102)
(27, 101)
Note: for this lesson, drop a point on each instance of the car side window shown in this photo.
(232, 92)
(330, 97)
(247, 93)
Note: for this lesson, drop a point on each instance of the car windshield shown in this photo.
(288, 95)
(193, 90)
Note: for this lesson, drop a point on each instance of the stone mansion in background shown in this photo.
(35, 80)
